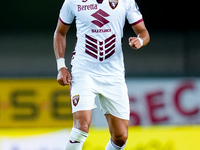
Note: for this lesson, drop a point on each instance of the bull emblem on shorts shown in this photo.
(113, 3)
(75, 100)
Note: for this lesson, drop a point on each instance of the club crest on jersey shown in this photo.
(75, 100)
(113, 3)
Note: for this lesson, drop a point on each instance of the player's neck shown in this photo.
(99, 1)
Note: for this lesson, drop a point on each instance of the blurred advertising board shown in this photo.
(140, 138)
(153, 101)
(171, 101)
(34, 103)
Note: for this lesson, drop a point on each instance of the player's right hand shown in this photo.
(64, 77)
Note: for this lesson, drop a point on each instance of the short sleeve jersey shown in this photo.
(99, 26)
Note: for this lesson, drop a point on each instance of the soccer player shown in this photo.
(97, 64)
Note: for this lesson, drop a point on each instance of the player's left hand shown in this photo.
(134, 42)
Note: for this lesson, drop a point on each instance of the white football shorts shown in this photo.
(111, 92)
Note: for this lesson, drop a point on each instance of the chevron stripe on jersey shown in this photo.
(100, 50)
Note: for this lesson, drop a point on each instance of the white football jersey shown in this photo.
(99, 26)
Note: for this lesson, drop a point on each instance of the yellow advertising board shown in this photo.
(150, 138)
(140, 138)
(34, 103)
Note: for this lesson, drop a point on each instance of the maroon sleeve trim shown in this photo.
(63, 22)
(136, 22)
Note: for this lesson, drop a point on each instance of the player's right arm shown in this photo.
(59, 43)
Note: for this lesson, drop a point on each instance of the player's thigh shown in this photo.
(82, 93)
(118, 127)
(82, 101)
(114, 100)
(82, 120)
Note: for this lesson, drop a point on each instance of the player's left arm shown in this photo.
(142, 38)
